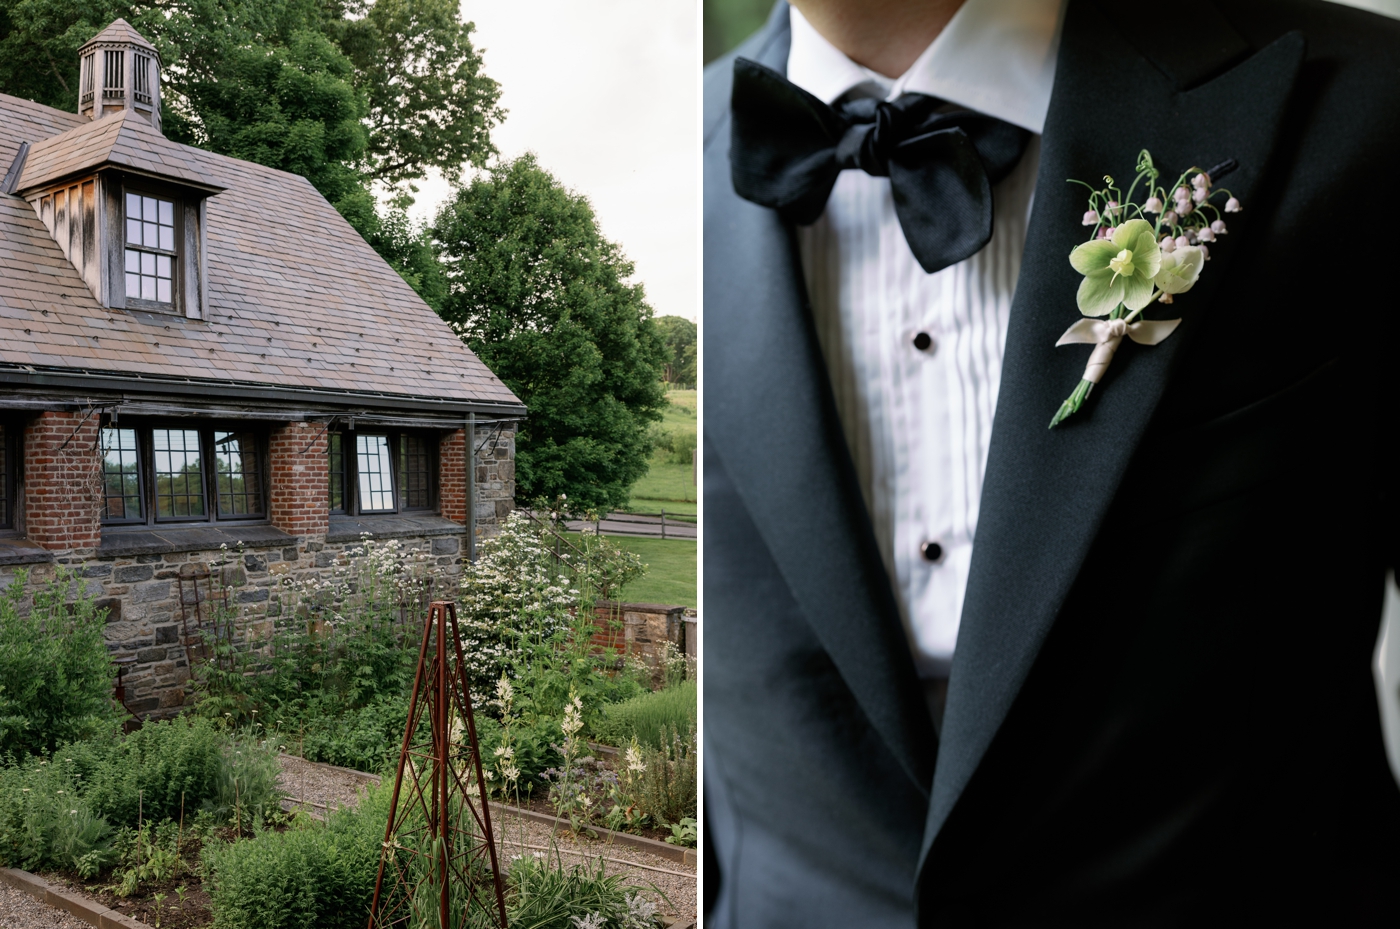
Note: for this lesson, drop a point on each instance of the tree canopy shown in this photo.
(681, 337)
(543, 299)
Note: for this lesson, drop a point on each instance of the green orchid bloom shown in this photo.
(1117, 270)
(1180, 269)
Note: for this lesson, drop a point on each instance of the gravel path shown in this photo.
(323, 787)
(18, 910)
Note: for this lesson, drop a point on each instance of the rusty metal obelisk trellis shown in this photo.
(438, 863)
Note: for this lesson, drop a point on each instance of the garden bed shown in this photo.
(172, 912)
(183, 819)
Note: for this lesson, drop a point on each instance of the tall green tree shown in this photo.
(681, 338)
(538, 293)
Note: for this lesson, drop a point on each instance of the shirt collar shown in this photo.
(994, 56)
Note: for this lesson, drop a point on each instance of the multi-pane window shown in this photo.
(382, 472)
(179, 474)
(237, 473)
(121, 477)
(150, 248)
(376, 477)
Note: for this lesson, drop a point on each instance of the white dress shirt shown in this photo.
(918, 422)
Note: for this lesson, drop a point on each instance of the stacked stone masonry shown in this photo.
(157, 602)
(495, 477)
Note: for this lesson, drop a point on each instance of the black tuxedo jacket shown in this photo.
(1161, 710)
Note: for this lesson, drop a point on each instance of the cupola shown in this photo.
(120, 71)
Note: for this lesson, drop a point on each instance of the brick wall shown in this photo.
(62, 481)
(299, 491)
(452, 476)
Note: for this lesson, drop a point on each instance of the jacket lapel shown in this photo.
(1046, 492)
(770, 416)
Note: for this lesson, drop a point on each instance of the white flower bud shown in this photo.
(1091, 218)
(1232, 206)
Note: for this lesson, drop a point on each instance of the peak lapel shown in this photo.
(770, 415)
(1046, 491)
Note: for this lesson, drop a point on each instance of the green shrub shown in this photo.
(45, 822)
(674, 445)
(187, 762)
(648, 716)
(56, 673)
(312, 876)
(367, 739)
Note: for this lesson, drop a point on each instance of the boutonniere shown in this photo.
(1139, 254)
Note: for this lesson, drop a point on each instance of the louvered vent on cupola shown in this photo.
(120, 70)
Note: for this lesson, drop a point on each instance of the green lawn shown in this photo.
(670, 577)
(668, 484)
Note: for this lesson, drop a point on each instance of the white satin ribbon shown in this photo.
(1106, 335)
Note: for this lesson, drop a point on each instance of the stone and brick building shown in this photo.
(198, 351)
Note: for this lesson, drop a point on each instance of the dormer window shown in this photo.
(150, 256)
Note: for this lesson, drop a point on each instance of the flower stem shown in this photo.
(1072, 403)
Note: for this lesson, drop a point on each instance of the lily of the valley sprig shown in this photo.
(1139, 254)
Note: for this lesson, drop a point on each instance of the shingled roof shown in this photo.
(123, 140)
(120, 31)
(296, 298)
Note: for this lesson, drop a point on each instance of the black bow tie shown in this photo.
(788, 147)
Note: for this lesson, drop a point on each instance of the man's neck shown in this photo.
(885, 36)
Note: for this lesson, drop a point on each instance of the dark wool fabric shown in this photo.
(1161, 711)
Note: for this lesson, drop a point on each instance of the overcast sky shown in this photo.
(606, 94)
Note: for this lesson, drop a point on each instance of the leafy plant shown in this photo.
(149, 855)
(546, 895)
(54, 664)
(181, 765)
(668, 788)
(366, 739)
(311, 876)
(45, 821)
(686, 832)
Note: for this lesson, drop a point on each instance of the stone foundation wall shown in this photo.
(157, 602)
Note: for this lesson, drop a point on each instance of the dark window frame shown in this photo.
(209, 476)
(148, 188)
(350, 474)
(12, 445)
